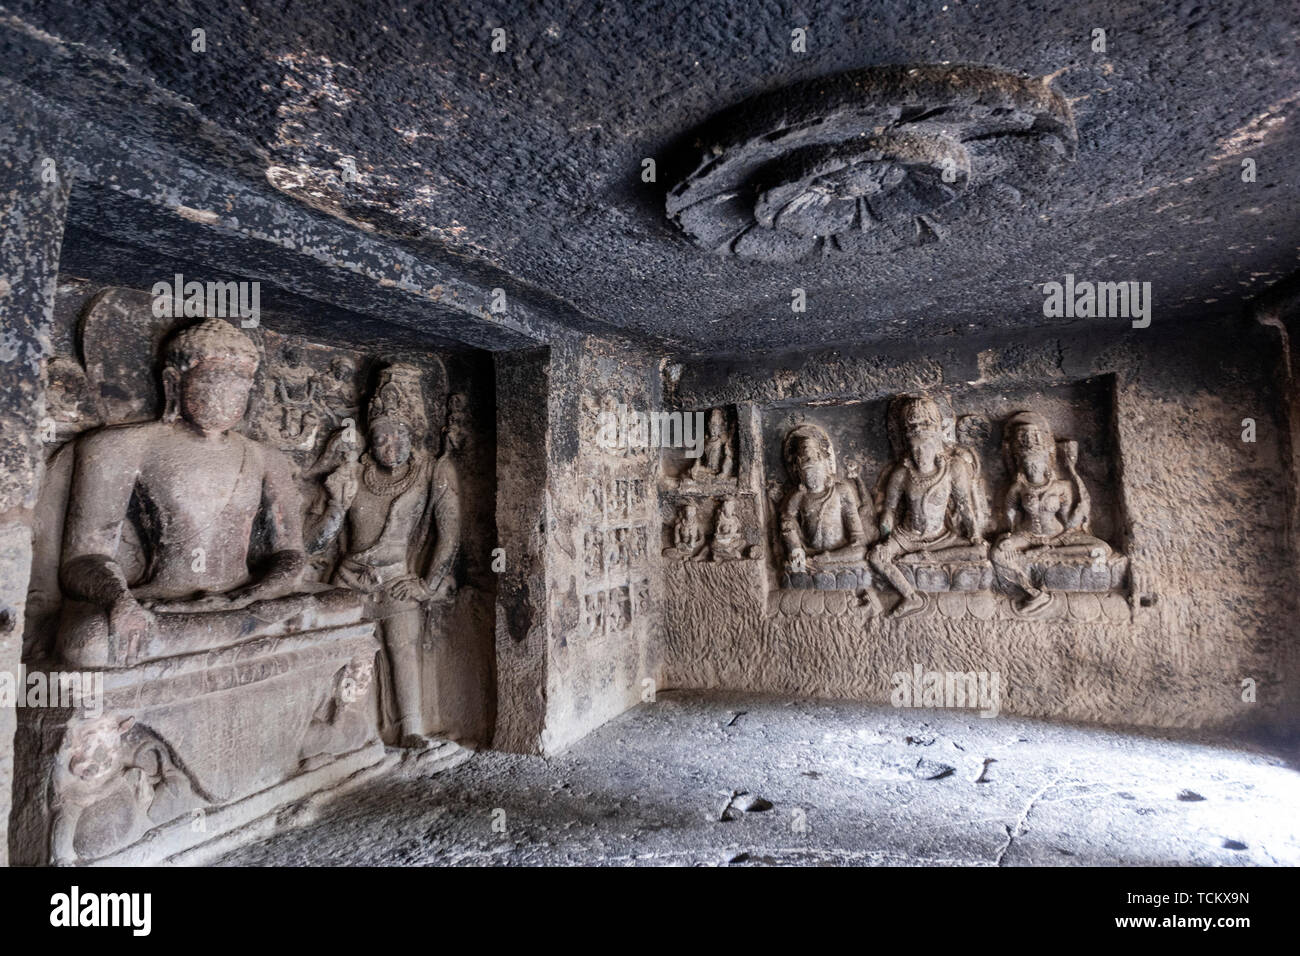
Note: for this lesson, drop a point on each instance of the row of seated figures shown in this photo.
(927, 532)
(230, 688)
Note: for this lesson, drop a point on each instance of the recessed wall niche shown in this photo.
(1081, 411)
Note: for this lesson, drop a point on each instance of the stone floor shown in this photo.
(725, 779)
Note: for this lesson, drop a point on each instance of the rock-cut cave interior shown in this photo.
(681, 434)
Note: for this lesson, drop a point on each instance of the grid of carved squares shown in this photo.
(615, 554)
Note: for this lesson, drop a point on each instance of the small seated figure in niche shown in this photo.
(929, 506)
(820, 523)
(715, 460)
(728, 542)
(1048, 514)
(688, 538)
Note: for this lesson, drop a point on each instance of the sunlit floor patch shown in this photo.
(688, 781)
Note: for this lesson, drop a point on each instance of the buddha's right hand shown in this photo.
(128, 625)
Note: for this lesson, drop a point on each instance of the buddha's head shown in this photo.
(208, 372)
(390, 441)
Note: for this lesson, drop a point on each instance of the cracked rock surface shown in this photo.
(842, 778)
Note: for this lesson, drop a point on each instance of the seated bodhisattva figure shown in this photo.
(820, 524)
(728, 543)
(688, 536)
(216, 513)
(1048, 515)
(929, 505)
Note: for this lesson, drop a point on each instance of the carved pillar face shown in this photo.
(214, 395)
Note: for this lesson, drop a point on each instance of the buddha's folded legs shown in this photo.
(85, 640)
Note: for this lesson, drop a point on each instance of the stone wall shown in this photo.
(1202, 515)
(33, 204)
(577, 616)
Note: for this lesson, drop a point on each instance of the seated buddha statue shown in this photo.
(217, 515)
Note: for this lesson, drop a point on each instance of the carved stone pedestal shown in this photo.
(1080, 574)
(189, 749)
(925, 574)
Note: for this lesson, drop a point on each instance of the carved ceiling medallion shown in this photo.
(857, 162)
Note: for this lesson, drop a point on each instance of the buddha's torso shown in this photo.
(196, 500)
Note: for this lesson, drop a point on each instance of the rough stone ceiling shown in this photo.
(528, 162)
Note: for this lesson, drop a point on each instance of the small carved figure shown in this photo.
(339, 391)
(820, 524)
(340, 725)
(728, 543)
(641, 599)
(90, 775)
(595, 498)
(715, 459)
(111, 784)
(616, 609)
(1048, 515)
(589, 614)
(296, 385)
(688, 538)
(593, 547)
(68, 403)
(929, 506)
